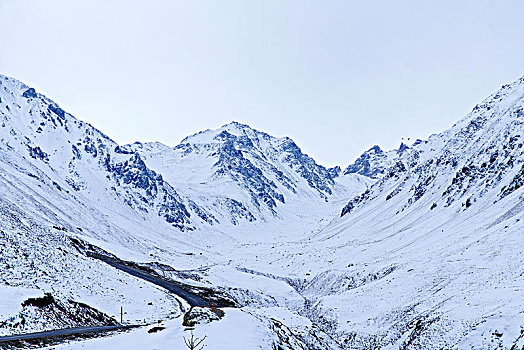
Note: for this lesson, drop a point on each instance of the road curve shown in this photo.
(191, 299)
(58, 332)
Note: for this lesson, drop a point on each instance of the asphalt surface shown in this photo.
(191, 299)
(58, 332)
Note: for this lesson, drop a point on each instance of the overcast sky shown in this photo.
(336, 76)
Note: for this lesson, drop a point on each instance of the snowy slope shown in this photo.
(36, 259)
(480, 155)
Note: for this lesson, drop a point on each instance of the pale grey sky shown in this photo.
(336, 76)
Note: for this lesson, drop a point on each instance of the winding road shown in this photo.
(192, 299)
(60, 332)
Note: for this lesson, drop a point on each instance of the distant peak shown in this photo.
(334, 171)
(235, 125)
(226, 131)
(375, 149)
(402, 147)
(417, 142)
(234, 122)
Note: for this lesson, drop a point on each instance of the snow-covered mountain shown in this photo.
(241, 174)
(374, 162)
(414, 248)
(52, 147)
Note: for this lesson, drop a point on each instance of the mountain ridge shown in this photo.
(264, 171)
(270, 170)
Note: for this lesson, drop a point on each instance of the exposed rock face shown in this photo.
(202, 315)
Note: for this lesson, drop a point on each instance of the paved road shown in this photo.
(57, 332)
(192, 299)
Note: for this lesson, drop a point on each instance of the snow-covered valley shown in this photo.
(415, 248)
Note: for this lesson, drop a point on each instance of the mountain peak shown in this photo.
(373, 162)
(375, 149)
(235, 125)
(218, 135)
(402, 148)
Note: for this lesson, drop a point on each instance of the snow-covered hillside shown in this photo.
(419, 247)
(480, 155)
(76, 158)
(36, 259)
